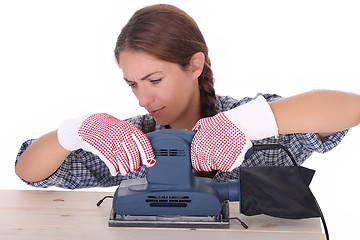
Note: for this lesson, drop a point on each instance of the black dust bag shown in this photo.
(278, 191)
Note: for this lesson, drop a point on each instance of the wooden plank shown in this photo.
(56, 233)
(38, 214)
(265, 223)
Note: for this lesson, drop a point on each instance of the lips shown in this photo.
(157, 112)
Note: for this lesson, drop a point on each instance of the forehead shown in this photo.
(136, 59)
(136, 64)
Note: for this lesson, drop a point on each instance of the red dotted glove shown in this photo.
(222, 141)
(118, 143)
(218, 145)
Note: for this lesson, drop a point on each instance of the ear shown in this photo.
(197, 64)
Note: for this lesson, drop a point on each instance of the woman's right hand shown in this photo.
(120, 144)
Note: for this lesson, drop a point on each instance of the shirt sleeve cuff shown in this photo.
(313, 142)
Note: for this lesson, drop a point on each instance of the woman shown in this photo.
(164, 59)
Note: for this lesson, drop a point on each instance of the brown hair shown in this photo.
(168, 33)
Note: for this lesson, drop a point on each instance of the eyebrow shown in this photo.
(145, 77)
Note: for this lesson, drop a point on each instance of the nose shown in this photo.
(145, 96)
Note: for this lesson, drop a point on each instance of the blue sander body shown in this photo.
(170, 196)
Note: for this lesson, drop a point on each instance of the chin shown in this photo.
(162, 122)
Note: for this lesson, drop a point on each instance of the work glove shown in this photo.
(119, 144)
(222, 141)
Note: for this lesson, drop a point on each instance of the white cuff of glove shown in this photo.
(255, 119)
(67, 133)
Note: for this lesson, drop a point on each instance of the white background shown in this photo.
(56, 62)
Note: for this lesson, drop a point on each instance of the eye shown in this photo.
(131, 85)
(155, 80)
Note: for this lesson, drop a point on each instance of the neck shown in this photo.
(188, 119)
(188, 123)
(192, 114)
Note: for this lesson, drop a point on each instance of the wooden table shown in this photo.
(39, 214)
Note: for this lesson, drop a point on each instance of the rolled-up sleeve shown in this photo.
(81, 169)
(312, 142)
(301, 146)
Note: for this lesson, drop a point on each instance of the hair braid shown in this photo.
(207, 91)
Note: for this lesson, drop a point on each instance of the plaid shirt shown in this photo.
(83, 169)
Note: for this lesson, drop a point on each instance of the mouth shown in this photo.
(157, 112)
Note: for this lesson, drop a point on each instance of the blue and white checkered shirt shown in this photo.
(83, 169)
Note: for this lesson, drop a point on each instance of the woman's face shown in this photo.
(169, 93)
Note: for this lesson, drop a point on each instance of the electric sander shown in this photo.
(170, 195)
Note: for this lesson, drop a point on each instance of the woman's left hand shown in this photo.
(218, 144)
(222, 141)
